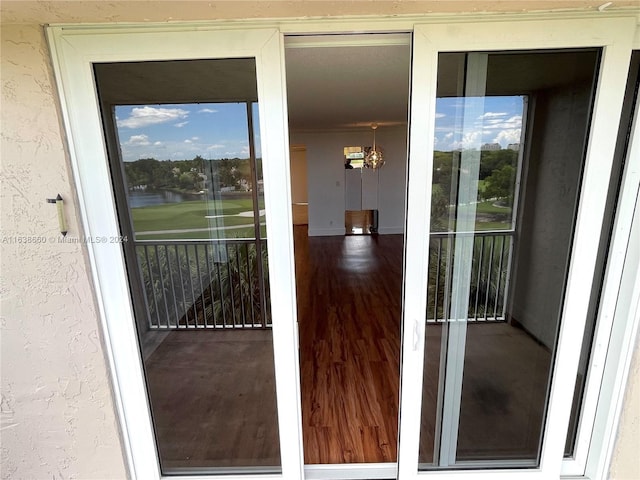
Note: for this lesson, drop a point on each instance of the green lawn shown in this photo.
(187, 215)
(489, 207)
(192, 215)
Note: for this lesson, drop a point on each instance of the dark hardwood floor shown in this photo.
(349, 307)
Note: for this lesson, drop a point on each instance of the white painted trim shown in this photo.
(354, 471)
(326, 232)
(615, 35)
(73, 54)
(416, 255)
(391, 230)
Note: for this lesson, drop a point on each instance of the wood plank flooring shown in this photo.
(349, 308)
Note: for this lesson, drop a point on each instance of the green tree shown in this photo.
(500, 184)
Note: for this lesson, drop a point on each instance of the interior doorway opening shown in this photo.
(349, 285)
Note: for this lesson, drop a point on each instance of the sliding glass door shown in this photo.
(183, 177)
(510, 155)
(503, 149)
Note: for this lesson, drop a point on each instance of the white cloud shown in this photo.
(188, 141)
(215, 146)
(493, 114)
(180, 125)
(195, 138)
(157, 144)
(207, 110)
(506, 137)
(440, 115)
(138, 140)
(145, 116)
(469, 140)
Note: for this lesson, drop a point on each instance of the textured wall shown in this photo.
(625, 464)
(58, 418)
(75, 11)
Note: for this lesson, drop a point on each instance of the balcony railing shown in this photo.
(220, 284)
(205, 284)
(489, 280)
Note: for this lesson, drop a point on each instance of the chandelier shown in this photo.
(374, 158)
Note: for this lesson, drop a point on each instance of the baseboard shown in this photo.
(390, 230)
(326, 232)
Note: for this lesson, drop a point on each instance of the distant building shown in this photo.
(491, 146)
(514, 146)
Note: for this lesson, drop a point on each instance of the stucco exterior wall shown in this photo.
(625, 464)
(58, 417)
(57, 412)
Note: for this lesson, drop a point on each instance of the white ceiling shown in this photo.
(347, 86)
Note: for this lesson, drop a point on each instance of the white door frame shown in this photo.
(615, 36)
(74, 53)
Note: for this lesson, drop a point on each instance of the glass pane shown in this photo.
(189, 186)
(511, 130)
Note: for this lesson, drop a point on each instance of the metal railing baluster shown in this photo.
(241, 287)
(231, 292)
(479, 276)
(173, 287)
(489, 268)
(250, 293)
(201, 296)
(152, 287)
(162, 291)
(210, 287)
(193, 297)
(222, 309)
(435, 296)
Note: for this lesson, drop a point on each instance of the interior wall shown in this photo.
(299, 185)
(546, 223)
(325, 167)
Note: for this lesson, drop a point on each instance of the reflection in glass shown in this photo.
(190, 193)
(511, 129)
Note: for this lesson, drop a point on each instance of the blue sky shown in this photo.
(499, 120)
(180, 132)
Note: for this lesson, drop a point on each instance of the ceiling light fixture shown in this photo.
(374, 158)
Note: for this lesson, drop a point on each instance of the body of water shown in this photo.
(147, 199)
